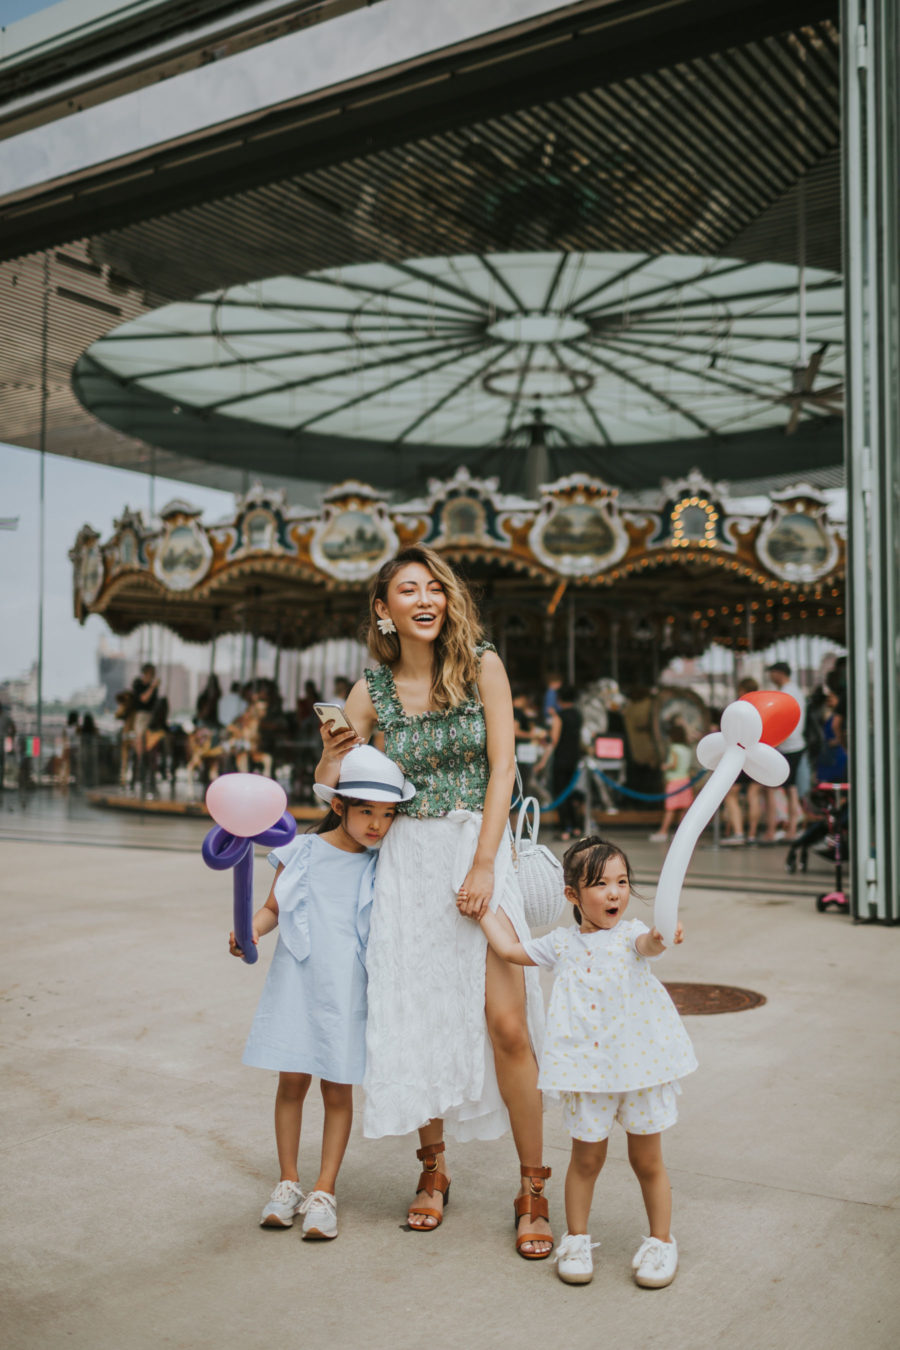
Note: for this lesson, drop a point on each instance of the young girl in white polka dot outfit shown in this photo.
(615, 1050)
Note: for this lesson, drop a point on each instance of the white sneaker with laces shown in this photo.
(655, 1263)
(319, 1211)
(574, 1263)
(284, 1202)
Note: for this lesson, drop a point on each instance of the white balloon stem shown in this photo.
(697, 817)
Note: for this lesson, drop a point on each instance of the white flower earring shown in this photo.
(386, 626)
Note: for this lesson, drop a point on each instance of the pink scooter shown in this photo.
(835, 815)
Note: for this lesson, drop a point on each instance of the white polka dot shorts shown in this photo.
(590, 1115)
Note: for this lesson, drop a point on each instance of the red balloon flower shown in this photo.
(780, 714)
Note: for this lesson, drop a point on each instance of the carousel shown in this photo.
(583, 578)
(553, 423)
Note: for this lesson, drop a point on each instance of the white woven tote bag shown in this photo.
(539, 871)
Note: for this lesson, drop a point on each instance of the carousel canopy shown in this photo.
(580, 564)
(436, 360)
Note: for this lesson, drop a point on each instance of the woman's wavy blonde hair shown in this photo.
(455, 658)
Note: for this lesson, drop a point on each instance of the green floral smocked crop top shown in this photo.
(444, 753)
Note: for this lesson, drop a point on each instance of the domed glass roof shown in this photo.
(616, 349)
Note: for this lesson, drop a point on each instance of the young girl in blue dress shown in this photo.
(311, 1019)
(615, 1050)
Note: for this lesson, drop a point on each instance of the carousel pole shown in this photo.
(276, 667)
(45, 321)
(570, 635)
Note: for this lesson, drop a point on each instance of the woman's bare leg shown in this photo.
(517, 1070)
(432, 1133)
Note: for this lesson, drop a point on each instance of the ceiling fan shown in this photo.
(830, 398)
(804, 372)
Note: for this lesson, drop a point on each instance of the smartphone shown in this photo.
(331, 714)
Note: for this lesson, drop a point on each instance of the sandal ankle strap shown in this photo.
(537, 1173)
(430, 1151)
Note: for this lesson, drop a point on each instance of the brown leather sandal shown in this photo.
(431, 1180)
(534, 1204)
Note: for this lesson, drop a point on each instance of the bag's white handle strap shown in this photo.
(532, 804)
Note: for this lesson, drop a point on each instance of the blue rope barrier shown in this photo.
(645, 796)
(560, 799)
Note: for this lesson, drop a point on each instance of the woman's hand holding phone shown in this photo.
(337, 741)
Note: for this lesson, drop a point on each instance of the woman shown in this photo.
(453, 1031)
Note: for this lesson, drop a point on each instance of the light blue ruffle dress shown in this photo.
(312, 1014)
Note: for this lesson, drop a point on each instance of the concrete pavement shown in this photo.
(137, 1151)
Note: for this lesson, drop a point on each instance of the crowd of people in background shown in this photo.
(816, 752)
(248, 728)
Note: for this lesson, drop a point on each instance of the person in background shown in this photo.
(564, 746)
(7, 733)
(528, 737)
(732, 811)
(144, 692)
(88, 758)
(551, 696)
(206, 710)
(342, 687)
(124, 713)
(831, 760)
(68, 764)
(311, 695)
(231, 705)
(677, 776)
(792, 748)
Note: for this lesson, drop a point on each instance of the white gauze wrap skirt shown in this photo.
(428, 1053)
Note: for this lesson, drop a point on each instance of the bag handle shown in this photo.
(532, 804)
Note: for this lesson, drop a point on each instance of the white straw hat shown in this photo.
(368, 774)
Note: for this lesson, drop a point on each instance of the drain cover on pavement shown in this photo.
(712, 998)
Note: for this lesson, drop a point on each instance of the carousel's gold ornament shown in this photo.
(354, 534)
(795, 541)
(88, 570)
(125, 551)
(182, 557)
(578, 531)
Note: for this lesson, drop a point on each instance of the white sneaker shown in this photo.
(284, 1202)
(733, 840)
(655, 1263)
(575, 1265)
(319, 1211)
(659, 838)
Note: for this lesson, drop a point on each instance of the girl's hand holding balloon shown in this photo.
(235, 949)
(247, 809)
(652, 943)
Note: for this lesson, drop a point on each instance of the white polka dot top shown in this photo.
(611, 1026)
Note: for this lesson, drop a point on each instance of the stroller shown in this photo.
(832, 828)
